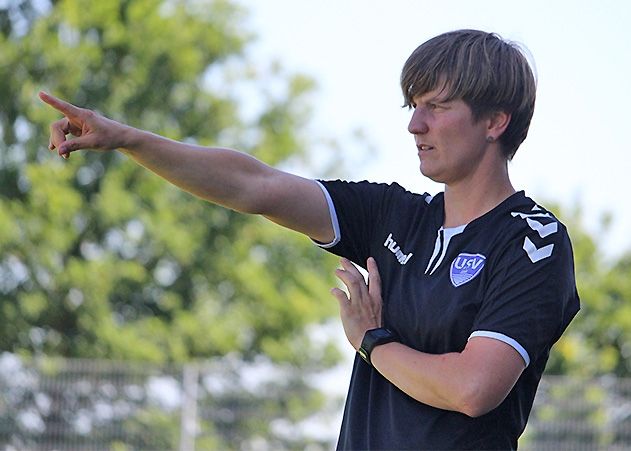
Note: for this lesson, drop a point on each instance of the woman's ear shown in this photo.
(497, 123)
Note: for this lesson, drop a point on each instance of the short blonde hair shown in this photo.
(488, 73)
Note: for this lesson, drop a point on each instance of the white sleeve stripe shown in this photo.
(508, 340)
(334, 221)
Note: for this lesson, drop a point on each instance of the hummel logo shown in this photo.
(396, 250)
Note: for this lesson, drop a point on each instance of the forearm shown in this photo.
(234, 180)
(435, 380)
(461, 382)
(222, 176)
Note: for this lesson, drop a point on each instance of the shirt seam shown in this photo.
(506, 339)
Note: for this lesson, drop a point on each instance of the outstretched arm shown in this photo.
(222, 176)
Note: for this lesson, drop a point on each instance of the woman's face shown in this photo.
(450, 143)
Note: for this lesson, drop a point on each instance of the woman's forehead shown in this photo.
(440, 90)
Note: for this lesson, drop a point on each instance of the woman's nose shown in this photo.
(418, 124)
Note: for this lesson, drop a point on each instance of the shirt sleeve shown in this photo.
(531, 294)
(359, 211)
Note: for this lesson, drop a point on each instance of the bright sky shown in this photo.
(576, 151)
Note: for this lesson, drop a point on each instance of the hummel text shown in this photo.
(396, 250)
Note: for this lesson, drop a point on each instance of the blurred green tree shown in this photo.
(584, 408)
(100, 258)
(598, 342)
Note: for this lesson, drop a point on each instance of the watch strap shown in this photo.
(372, 339)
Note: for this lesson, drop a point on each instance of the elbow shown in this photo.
(476, 401)
(475, 410)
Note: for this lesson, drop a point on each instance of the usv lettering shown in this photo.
(465, 268)
(402, 258)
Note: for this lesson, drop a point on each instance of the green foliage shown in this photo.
(598, 342)
(100, 258)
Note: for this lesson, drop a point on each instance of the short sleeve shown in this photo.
(355, 206)
(530, 294)
(360, 212)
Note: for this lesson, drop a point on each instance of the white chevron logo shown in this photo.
(530, 215)
(542, 230)
(535, 254)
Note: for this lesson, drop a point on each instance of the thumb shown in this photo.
(73, 145)
(374, 279)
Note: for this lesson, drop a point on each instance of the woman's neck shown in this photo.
(465, 202)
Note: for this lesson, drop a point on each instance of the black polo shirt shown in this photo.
(508, 275)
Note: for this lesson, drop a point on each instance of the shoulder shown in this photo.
(372, 191)
(533, 220)
(521, 231)
(530, 269)
(532, 244)
(370, 187)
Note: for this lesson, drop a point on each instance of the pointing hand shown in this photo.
(92, 131)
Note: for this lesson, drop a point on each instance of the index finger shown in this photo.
(67, 109)
(350, 267)
(374, 279)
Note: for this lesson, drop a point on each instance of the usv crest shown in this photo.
(466, 267)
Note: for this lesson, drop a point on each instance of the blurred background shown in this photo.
(136, 316)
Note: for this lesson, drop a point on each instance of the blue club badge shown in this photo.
(465, 268)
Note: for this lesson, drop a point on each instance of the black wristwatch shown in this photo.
(372, 338)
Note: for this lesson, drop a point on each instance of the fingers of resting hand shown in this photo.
(374, 279)
(353, 279)
(341, 296)
(360, 310)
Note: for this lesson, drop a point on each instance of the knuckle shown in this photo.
(354, 282)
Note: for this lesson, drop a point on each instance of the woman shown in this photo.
(468, 290)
